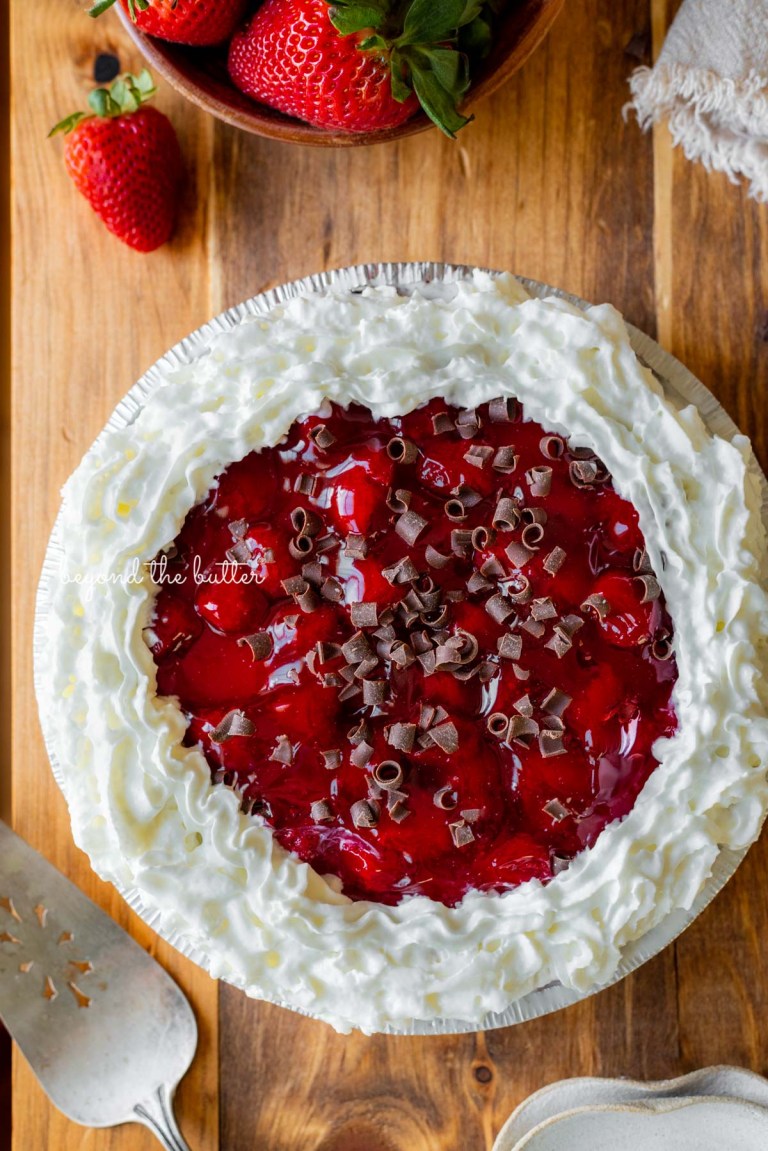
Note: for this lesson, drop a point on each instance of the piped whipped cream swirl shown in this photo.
(143, 806)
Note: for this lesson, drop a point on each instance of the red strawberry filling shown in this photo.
(429, 652)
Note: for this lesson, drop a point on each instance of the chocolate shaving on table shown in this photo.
(364, 614)
(299, 547)
(583, 473)
(510, 646)
(598, 604)
(518, 553)
(234, 723)
(461, 541)
(556, 702)
(388, 774)
(505, 460)
(305, 484)
(506, 517)
(523, 706)
(238, 528)
(650, 586)
(441, 423)
(553, 447)
(260, 644)
(470, 814)
(531, 536)
(401, 736)
(361, 756)
(305, 522)
(497, 724)
(539, 479)
(461, 833)
(398, 811)
(283, 752)
(446, 737)
(321, 811)
(554, 560)
(523, 593)
(399, 501)
(482, 537)
(374, 692)
(240, 553)
(543, 608)
(641, 562)
(326, 544)
(556, 809)
(365, 813)
(445, 798)
(478, 455)
(409, 526)
(331, 758)
(522, 730)
(502, 410)
(468, 423)
(366, 666)
(313, 572)
(402, 451)
(434, 558)
(533, 627)
(356, 649)
(356, 546)
(322, 437)
(499, 608)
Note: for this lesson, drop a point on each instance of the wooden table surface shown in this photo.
(549, 182)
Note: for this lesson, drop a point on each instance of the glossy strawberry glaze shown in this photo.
(620, 691)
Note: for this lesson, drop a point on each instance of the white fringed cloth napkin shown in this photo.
(711, 82)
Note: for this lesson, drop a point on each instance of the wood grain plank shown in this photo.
(89, 317)
(549, 182)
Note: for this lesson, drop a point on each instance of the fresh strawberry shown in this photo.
(126, 161)
(359, 65)
(182, 21)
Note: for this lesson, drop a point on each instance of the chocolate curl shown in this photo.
(313, 573)
(305, 523)
(482, 538)
(543, 609)
(461, 542)
(506, 516)
(398, 810)
(523, 593)
(399, 501)
(534, 516)
(468, 424)
(442, 423)
(533, 627)
(520, 673)
(518, 553)
(234, 723)
(360, 733)
(404, 571)
(401, 654)
(571, 624)
(499, 608)
(531, 536)
(470, 814)
(650, 586)
(560, 642)
(478, 455)
(553, 447)
(331, 759)
(365, 813)
(502, 411)
(241, 553)
(661, 648)
(260, 644)
(505, 460)
(583, 473)
(492, 569)
(523, 706)
(374, 692)
(388, 774)
(402, 736)
(641, 562)
(283, 752)
(308, 601)
(434, 558)
(446, 737)
(554, 561)
(321, 811)
(597, 604)
(402, 451)
(556, 702)
(462, 499)
(364, 614)
(555, 809)
(461, 833)
(445, 798)
(497, 724)
(522, 730)
(366, 666)
(322, 438)
(305, 485)
(299, 547)
(361, 756)
(238, 528)
(326, 543)
(356, 648)
(356, 546)
(510, 646)
(409, 526)
(539, 480)
(551, 743)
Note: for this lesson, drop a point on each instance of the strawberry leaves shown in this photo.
(126, 95)
(134, 6)
(427, 42)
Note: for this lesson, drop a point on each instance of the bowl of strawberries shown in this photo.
(337, 73)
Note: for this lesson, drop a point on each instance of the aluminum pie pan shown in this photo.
(680, 387)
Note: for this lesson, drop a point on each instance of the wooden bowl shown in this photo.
(201, 75)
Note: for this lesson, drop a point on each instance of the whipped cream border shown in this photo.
(143, 807)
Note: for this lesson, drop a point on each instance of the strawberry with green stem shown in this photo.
(125, 159)
(361, 65)
(197, 22)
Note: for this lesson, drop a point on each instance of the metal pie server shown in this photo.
(106, 1031)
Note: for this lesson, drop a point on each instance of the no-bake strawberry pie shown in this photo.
(404, 654)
